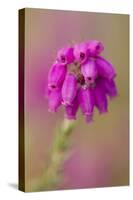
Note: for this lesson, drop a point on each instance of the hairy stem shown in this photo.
(59, 154)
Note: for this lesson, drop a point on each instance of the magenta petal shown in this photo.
(110, 87)
(56, 76)
(54, 100)
(86, 102)
(95, 47)
(100, 98)
(89, 71)
(65, 55)
(81, 52)
(105, 69)
(70, 111)
(69, 89)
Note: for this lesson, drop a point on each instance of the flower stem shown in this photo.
(59, 154)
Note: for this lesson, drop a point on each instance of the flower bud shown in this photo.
(81, 52)
(70, 111)
(69, 89)
(105, 69)
(56, 76)
(110, 87)
(54, 100)
(95, 48)
(89, 71)
(65, 55)
(86, 102)
(100, 98)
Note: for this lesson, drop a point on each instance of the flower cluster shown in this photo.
(81, 78)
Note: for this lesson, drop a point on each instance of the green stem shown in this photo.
(59, 153)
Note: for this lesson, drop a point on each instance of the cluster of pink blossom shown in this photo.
(81, 78)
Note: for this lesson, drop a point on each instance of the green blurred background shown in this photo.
(100, 151)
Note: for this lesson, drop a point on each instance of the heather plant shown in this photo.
(80, 78)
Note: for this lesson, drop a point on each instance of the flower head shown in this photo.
(81, 78)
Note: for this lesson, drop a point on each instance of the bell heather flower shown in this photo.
(81, 52)
(95, 48)
(105, 69)
(89, 71)
(55, 99)
(56, 76)
(69, 89)
(109, 87)
(71, 110)
(81, 78)
(65, 55)
(86, 102)
(101, 101)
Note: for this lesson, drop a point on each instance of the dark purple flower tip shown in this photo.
(69, 89)
(89, 71)
(100, 98)
(56, 76)
(105, 69)
(81, 52)
(55, 99)
(110, 87)
(70, 111)
(86, 101)
(95, 47)
(65, 55)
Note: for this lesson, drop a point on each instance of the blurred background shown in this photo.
(99, 151)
